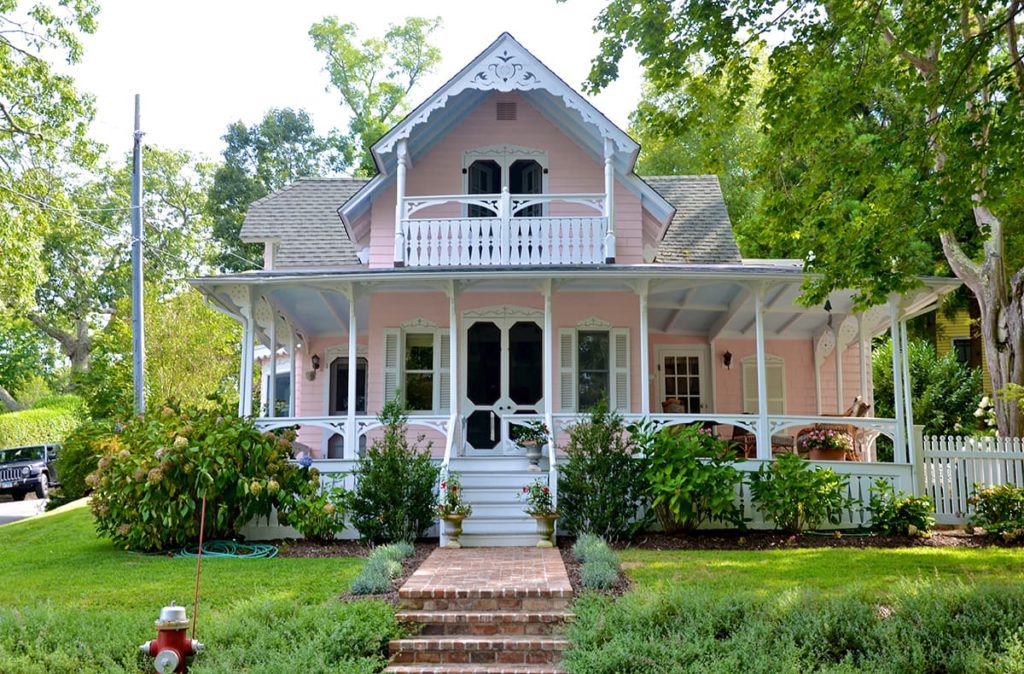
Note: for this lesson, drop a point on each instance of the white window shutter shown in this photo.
(775, 372)
(392, 362)
(444, 370)
(567, 369)
(750, 386)
(619, 370)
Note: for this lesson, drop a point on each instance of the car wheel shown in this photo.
(18, 495)
(42, 487)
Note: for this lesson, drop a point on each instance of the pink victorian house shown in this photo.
(506, 264)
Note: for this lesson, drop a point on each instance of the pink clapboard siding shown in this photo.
(570, 170)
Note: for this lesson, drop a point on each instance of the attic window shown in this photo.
(506, 111)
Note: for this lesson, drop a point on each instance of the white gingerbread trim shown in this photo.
(504, 311)
(415, 323)
(594, 323)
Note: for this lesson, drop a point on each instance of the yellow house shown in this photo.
(954, 334)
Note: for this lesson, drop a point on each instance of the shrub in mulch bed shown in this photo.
(592, 566)
(774, 540)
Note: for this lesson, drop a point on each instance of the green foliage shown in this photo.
(451, 502)
(587, 545)
(600, 569)
(154, 473)
(259, 159)
(944, 391)
(601, 487)
(79, 456)
(895, 513)
(27, 355)
(394, 495)
(690, 477)
(317, 512)
(999, 510)
(797, 497)
(382, 566)
(927, 626)
(537, 496)
(51, 420)
(374, 77)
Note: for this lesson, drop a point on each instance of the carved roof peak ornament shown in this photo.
(506, 66)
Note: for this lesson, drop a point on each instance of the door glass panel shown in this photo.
(484, 177)
(483, 363)
(525, 363)
(339, 385)
(682, 381)
(483, 429)
(525, 176)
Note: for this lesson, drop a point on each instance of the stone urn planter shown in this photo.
(545, 529)
(454, 531)
(533, 454)
(828, 455)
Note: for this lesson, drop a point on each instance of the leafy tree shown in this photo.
(259, 159)
(893, 125)
(944, 391)
(43, 120)
(191, 355)
(26, 354)
(374, 77)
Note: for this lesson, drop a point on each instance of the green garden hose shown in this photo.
(231, 549)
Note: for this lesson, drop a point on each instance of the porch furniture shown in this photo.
(672, 406)
(747, 441)
(858, 408)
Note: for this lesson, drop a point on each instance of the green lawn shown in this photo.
(867, 573)
(67, 597)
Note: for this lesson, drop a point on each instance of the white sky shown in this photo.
(200, 65)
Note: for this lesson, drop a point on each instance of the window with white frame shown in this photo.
(416, 367)
(775, 378)
(594, 366)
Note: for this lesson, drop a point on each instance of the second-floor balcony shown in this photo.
(503, 229)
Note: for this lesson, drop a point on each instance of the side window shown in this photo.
(418, 384)
(593, 365)
(962, 350)
(339, 385)
(593, 370)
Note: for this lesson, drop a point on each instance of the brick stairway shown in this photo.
(487, 610)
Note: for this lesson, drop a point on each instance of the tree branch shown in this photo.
(1011, 38)
(17, 127)
(8, 400)
(67, 340)
(924, 65)
(966, 269)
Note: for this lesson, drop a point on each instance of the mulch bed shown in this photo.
(773, 540)
(574, 568)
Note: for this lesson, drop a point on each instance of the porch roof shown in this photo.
(703, 300)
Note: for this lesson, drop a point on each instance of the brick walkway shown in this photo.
(493, 610)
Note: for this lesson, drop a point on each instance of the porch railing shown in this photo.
(518, 233)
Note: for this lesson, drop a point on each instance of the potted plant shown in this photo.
(532, 437)
(540, 508)
(452, 509)
(825, 444)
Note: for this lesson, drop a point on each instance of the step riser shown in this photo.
(494, 629)
(439, 656)
(539, 604)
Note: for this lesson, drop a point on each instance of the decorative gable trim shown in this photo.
(503, 311)
(593, 323)
(414, 323)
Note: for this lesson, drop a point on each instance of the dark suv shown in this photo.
(25, 469)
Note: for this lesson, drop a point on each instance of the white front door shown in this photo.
(503, 362)
(682, 378)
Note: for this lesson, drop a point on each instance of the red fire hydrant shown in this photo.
(172, 645)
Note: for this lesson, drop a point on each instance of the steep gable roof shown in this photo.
(700, 231)
(302, 218)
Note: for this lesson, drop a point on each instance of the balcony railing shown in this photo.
(510, 236)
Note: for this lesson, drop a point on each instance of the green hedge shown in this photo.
(51, 420)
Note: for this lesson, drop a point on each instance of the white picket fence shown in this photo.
(951, 466)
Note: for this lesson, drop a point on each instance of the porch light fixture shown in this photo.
(316, 361)
(727, 360)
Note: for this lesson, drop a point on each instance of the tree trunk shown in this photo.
(8, 400)
(74, 345)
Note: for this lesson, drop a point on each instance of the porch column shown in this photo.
(899, 437)
(764, 440)
(908, 397)
(862, 351)
(645, 357)
(838, 351)
(402, 155)
(549, 364)
(293, 381)
(245, 376)
(609, 200)
(453, 360)
(351, 437)
(272, 379)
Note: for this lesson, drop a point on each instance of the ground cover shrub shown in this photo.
(317, 512)
(600, 570)
(999, 510)
(927, 626)
(382, 566)
(51, 420)
(601, 487)
(586, 545)
(796, 496)
(690, 477)
(893, 512)
(154, 472)
(395, 480)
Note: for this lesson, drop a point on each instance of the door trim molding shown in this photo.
(503, 311)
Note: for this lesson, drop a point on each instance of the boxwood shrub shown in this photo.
(51, 420)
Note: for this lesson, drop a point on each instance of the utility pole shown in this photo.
(138, 336)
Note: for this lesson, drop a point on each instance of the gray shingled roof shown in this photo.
(700, 231)
(303, 218)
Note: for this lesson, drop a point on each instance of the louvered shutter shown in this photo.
(444, 371)
(567, 369)
(392, 362)
(775, 373)
(619, 370)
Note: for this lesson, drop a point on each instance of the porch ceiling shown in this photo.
(716, 302)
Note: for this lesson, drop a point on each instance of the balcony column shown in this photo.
(293, 381)
(899, 437)
(351, 436)
(549, 390)
(609, 200)
(402, 155)
(645, 358)
(272, 379)
(453, 361)
(764, 440)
